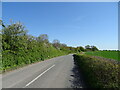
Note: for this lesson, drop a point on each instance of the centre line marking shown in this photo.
(39, 75)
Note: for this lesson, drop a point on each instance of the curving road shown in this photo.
(59, 72)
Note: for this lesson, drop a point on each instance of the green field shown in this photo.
(105, 54)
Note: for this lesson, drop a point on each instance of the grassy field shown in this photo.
(106, 54)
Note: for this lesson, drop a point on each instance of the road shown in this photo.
(58, 72)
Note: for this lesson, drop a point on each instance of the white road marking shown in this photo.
(39, 75)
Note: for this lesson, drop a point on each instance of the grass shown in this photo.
(106, 54)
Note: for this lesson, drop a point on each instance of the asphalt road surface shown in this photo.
(59, 72)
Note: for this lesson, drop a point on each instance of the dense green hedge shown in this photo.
(99, 73)
(11, 60)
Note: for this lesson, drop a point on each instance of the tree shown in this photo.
(88, 47)
(80, 49)
(43, 38)
(12, 35)
(13, 42)
(56, 43)
(94, 48)
(91, 48)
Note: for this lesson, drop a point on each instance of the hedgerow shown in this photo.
(99, 73)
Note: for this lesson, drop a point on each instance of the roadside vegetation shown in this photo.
(19, 48)
(98, 72)
(100, 68)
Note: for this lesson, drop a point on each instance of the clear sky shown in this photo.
(73, 23)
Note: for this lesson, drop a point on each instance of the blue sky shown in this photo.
(75, 24)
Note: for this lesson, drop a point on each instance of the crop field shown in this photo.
(106, 54)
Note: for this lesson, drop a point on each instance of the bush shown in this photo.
(99, 73)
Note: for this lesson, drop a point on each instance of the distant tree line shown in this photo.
(91, 48)
(20, 48)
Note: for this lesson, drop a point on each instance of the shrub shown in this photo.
(99, 73)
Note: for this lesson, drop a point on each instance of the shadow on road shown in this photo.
(78, 79)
